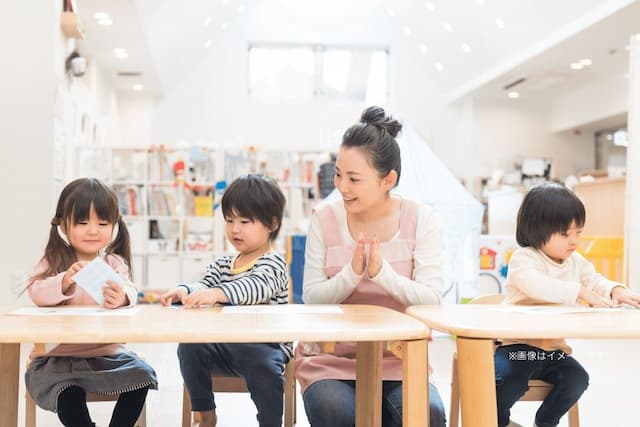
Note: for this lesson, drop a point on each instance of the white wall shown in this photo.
(513, 129)
(211, 99)
(134, 113)
(600, 100)
(28, 42)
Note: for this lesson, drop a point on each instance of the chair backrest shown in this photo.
(606, 253)
(488, 299)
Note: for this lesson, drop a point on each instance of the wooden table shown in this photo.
(475, 327)
(370, 326)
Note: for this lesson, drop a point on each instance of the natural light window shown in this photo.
(319, 71)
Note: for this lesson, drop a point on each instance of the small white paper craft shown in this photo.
(94, 276)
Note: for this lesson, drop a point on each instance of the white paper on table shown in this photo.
(277, 308)
(73, 311)
(94, 276)
(557, 309)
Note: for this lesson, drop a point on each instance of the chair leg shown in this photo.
(29, 411)
(289, 396)
(574, 416)
(454, 411)
(186, 408)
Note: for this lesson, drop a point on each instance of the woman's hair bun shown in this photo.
(376, 116)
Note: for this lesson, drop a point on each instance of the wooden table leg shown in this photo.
(476, 374)
(10, 368)
(369, 384)
(415, 389)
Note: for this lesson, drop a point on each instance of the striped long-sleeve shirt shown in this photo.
(263, 281)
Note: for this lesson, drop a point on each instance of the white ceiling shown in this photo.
(539, 41)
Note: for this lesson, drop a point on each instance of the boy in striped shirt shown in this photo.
(252, 207)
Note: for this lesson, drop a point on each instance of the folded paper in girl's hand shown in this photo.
(94, 276)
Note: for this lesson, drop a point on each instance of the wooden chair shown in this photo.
(606, 253)
(30, 404)
(538, 390)
(221, 384)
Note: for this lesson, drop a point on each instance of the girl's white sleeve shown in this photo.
(593, 280)
(425, 287)
(317, 288)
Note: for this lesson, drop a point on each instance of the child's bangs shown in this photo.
(80, 205)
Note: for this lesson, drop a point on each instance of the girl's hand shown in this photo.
(593, 299)
(621, 295)
(114, 295)
(208, 297)
(174, 295)
(375, 260)
(67, 280)
(358, 262)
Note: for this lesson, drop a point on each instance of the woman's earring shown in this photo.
(63, 236)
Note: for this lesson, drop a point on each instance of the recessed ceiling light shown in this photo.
(207, 21)
(513, 94)
(224, 26)
(586, 62)
(430, 6)
(207, 44)
(499, 23)
(466, 48)
(577, 66)
(439, 66)
(391, 12)
(423, 48)
(107, 22)
(120, 53)
(407, 30)
(101, 15)
(137, 87)
(447, 27)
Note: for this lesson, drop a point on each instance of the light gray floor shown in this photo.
(609, 401)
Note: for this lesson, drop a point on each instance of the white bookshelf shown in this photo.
(175, 233)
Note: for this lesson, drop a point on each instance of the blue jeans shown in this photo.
(261, 365)
(516, 364)
(332, 403)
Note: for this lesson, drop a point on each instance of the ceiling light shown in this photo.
(480, 2)
(137, 87)
(207, 44)
(120, 53)
(447, 27)
(107, 22)
(391, 12)
(577, 66)
(207, 21)
(499, 23)
(439, 67)
(513, 94)
(423, 48)
(224, 26)
(407, 30)
(101, 15)
(430, 6)
(466, 48)
(586, 62)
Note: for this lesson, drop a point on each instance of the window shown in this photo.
(319, 71)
